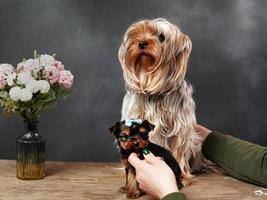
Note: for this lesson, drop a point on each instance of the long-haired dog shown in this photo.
(154, 56)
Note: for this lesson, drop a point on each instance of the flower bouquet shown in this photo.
(29, 90)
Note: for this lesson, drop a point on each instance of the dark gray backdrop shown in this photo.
(227, 67)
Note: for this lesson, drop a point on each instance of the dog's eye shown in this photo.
(161, 37)
(124, 139)
(145, 136)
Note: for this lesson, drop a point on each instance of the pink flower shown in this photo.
(5, 71)
(66, 79)
(20, 67)
(59, 65)
(2, 80)
(51, 73)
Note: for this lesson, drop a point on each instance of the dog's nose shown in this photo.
(142, 45)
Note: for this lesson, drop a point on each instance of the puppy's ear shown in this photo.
(148, 125)
(114, 128)
(183, 53)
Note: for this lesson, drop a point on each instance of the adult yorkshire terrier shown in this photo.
(154, 56)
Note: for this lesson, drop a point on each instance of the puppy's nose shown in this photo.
(142, 45)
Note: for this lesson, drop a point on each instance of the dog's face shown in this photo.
(154, 56)
(132, 137)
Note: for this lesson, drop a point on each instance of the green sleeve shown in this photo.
(175, 196)
(241, 159)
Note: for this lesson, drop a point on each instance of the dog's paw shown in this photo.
(133, 195)
(123, 189)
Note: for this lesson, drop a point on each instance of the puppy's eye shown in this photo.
(145, 136)
(161, 37)
(124, 139)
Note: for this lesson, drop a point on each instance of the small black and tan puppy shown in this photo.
(133, 136)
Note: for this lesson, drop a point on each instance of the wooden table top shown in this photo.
(77, 180)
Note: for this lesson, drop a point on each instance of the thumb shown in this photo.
(134, 160)
(149, 156)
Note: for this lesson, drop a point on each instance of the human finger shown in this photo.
(149, 156)
(134, 160)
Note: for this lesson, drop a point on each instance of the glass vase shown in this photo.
(30, 153)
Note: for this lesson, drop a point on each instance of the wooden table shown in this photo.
(73, 180)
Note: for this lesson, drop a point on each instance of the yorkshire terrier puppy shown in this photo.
(154, 56)
(132, 136)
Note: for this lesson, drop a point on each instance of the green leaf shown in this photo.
(40, 99)
(1, 103)
(39, 104)
(43, 109)
(4, 94)
(62, 93)
(42, 102)
(35, 54)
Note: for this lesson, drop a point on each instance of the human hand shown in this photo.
(154, 176)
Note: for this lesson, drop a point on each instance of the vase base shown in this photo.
(30, 179)
(30, 171)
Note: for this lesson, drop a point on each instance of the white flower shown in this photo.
(6, 68)
(14, 93)
(32, 64)
(25, 94)
(48, 67)
(28, 65)
(24, 77)
(10, 78)
(35, 86)
(44, 86)
(46, 60)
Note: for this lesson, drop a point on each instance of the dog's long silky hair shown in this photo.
(156, 89)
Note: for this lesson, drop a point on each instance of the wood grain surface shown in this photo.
(73, 180)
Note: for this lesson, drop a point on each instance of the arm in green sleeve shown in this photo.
(175, 196)
(241, 159)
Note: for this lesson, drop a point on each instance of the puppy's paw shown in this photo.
(134, 195)
(123, 189)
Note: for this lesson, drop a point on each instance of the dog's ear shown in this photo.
(183, 53)
(114, 128)
(148, 125)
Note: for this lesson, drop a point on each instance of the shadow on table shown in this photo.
(52, 169)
